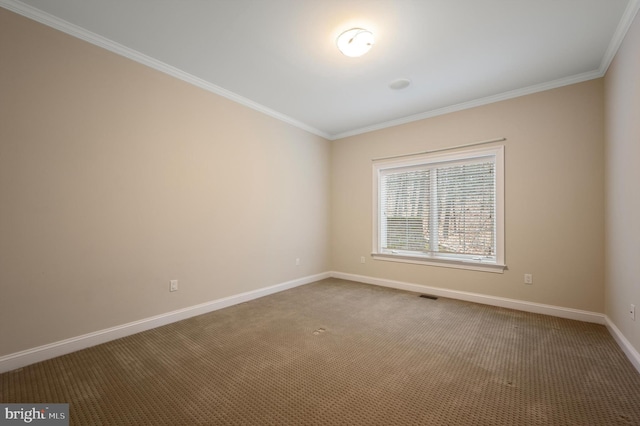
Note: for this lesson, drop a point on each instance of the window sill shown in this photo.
(445, 263)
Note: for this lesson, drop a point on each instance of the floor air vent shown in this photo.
(428, 296)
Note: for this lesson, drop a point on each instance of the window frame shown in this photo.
(443, 260)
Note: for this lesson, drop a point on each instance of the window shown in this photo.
(441, 209)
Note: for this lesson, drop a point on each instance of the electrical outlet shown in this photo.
(297, 261)
(528, 279)
(632, 312)
(173, 285)
(362, 259)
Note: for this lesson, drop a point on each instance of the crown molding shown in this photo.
(618, 37)
(119, 49)
(47, 19)
(578, 78)
(616, 41)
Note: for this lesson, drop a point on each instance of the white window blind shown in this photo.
(441, 207)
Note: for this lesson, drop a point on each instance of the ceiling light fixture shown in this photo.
(355, 42)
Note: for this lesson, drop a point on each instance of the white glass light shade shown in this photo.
(355, 42)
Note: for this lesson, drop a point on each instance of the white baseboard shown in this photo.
(624, 344)
(52, 350)
(538, 308)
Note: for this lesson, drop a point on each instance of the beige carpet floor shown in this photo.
(337, 352)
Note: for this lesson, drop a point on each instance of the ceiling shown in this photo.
(280, 56)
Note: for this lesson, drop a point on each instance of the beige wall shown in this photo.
(115, 178)
(554, 196)
(622, 117)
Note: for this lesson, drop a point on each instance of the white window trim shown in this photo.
(453, 261)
